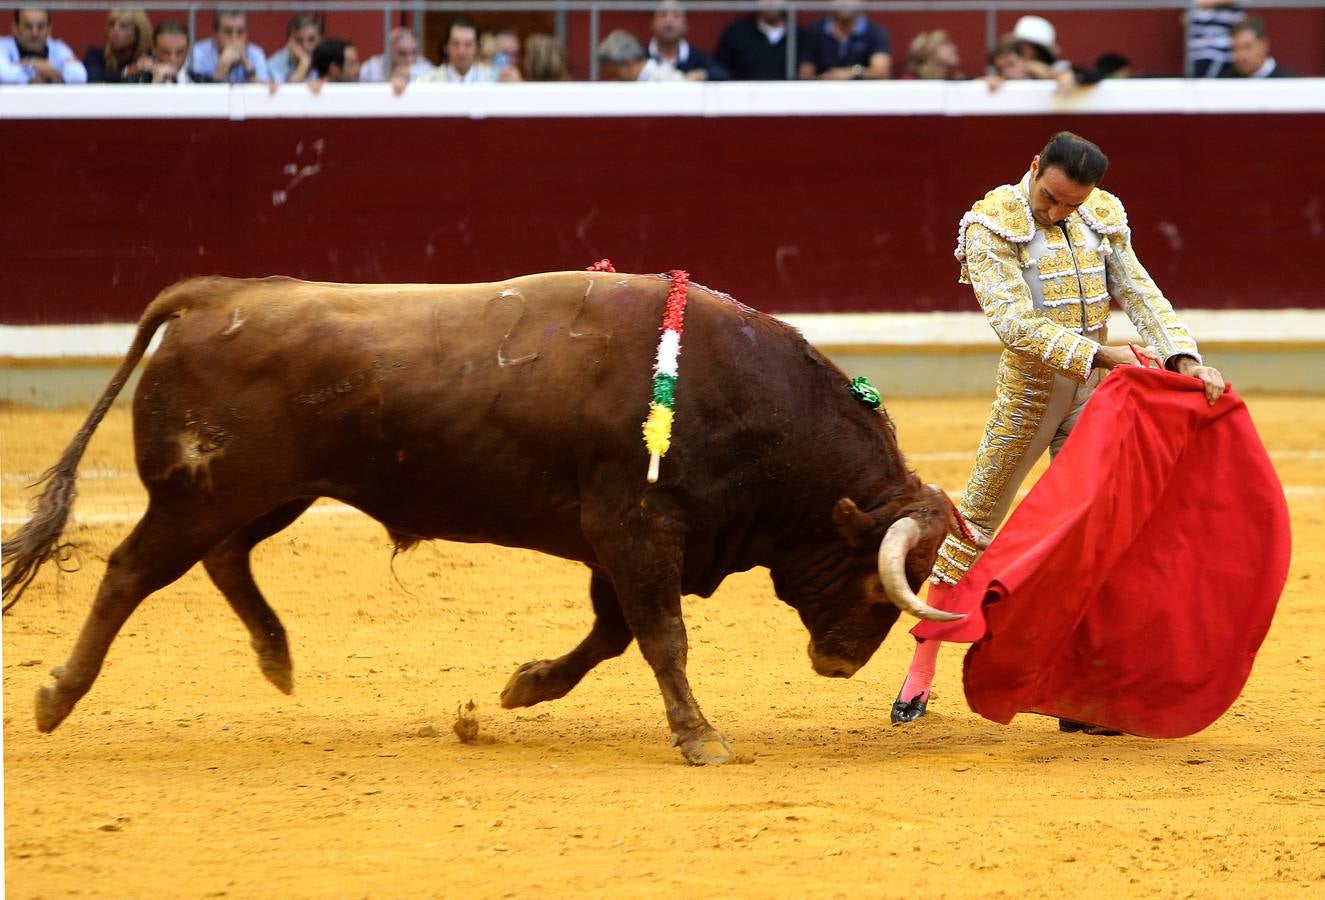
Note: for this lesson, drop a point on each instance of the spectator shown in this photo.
(32, 56)
(1113, 65)
(1037, 41)
(501, 49)
(405, 61)
(227, 55)
(170, 48)
(1007, 62)
(1251, 53)
(933, 56)
(754, 47)
(335, 59)
(670, 46)
(622, 58)
(128, 48)
(545, 59)
(294, 61)
(1210, 35)
(461, 64)
(847, 45)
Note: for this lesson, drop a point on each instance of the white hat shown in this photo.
(1037, 31)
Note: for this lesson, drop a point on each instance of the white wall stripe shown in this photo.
(827, 330)
(694, 99)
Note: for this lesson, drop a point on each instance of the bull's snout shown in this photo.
(832, 666)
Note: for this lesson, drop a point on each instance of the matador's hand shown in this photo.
(1207, 375)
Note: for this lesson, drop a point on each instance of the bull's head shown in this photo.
(850, 602)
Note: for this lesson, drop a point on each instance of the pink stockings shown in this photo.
(921, 674)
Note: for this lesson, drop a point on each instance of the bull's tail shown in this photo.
(38, 540)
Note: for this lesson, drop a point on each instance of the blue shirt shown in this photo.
(58, 55)
(202, 63)
(826, 52)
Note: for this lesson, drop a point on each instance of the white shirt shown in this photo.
(478, 72)
(682, 52)
(658, 72)
(58, 55)
(774, 33)
(1266, 68)
(375, 69)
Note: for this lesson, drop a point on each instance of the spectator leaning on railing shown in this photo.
(846, 45)
(294, 61)
(933, 56)
(669, 45)
(335, 59)
(500, 49)
(1210, 34)
(754, 47)
(127, 51)
(621, 57)
(32, 56)
(227, 55)
(1006, 62)
(170, 49)
(404, 61)
(1251, 53)
(545, 59)
(462, 65)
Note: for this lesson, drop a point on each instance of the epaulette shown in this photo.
(1005, 212)
(1104, 213)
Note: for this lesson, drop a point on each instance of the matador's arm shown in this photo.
(1144, 303)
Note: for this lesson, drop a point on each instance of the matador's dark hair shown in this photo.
(1080, 160)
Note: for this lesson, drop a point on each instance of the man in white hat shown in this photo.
(1037, 40)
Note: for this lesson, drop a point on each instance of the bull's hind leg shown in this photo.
(549, 679)
(163, 546)
(229, 567)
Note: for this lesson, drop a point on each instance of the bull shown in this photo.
(505, 413)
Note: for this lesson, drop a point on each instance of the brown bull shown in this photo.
(506, 413)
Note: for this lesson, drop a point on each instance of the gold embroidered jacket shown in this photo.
(1045, 290)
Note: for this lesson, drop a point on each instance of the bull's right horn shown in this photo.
(897, 543)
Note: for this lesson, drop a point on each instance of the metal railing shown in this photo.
(797, 11)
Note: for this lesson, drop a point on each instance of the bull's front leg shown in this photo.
(645, 567)
(661, 634)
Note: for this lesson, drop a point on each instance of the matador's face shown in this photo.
(1054, 196)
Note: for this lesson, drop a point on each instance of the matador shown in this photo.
(1044, 257)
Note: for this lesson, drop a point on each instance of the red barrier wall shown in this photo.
(788, 214)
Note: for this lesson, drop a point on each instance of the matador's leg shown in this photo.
(1030, 402)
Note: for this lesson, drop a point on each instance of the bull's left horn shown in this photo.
(897, 543)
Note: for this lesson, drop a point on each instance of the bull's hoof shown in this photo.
(53, 707)
(533, 683)
(276, 668)
(704, 748)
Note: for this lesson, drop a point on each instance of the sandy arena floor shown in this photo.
(185, 774)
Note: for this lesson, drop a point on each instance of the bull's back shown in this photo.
(463, 411)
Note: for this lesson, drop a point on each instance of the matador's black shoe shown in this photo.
(909, 710)
(1070, 726)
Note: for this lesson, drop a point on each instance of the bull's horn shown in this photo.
(897, 543)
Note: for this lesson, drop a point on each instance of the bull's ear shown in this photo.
(856, 527)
